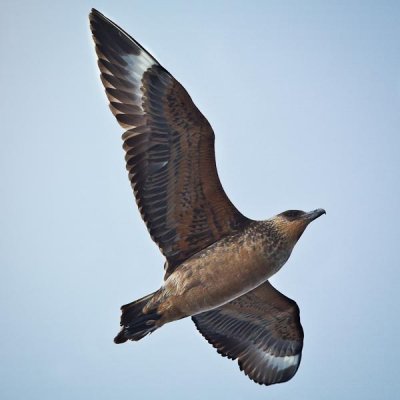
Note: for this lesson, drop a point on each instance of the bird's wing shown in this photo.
(261, 329)
(169, 148)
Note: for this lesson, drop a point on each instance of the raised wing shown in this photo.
(261, 329)
(169, 148)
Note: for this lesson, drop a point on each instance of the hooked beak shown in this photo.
(310, 216)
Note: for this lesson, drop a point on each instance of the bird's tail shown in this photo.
(135, 323)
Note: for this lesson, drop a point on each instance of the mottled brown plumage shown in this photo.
(243, 328)
(169, 148)
(218, 262)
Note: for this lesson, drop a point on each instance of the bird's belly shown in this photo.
(218, 275)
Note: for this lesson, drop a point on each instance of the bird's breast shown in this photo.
(223, 271)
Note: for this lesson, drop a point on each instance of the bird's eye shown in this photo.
(293, 213)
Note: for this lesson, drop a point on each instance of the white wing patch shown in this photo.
(265, 367)
(281, 363)
(131, 94)
(138, 65)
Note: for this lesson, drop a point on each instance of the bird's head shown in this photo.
(292, 223)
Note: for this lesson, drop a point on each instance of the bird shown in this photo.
(217, 261)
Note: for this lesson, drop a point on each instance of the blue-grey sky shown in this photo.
(304, 99)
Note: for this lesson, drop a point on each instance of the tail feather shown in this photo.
(135, 323)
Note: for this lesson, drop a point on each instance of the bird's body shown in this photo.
(218, 262)
(222, 272)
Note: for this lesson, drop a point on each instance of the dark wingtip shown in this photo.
(96, 15)
(93, 11)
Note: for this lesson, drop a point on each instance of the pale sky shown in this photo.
(304, 100)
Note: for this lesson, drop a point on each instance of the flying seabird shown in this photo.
(218, 262)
